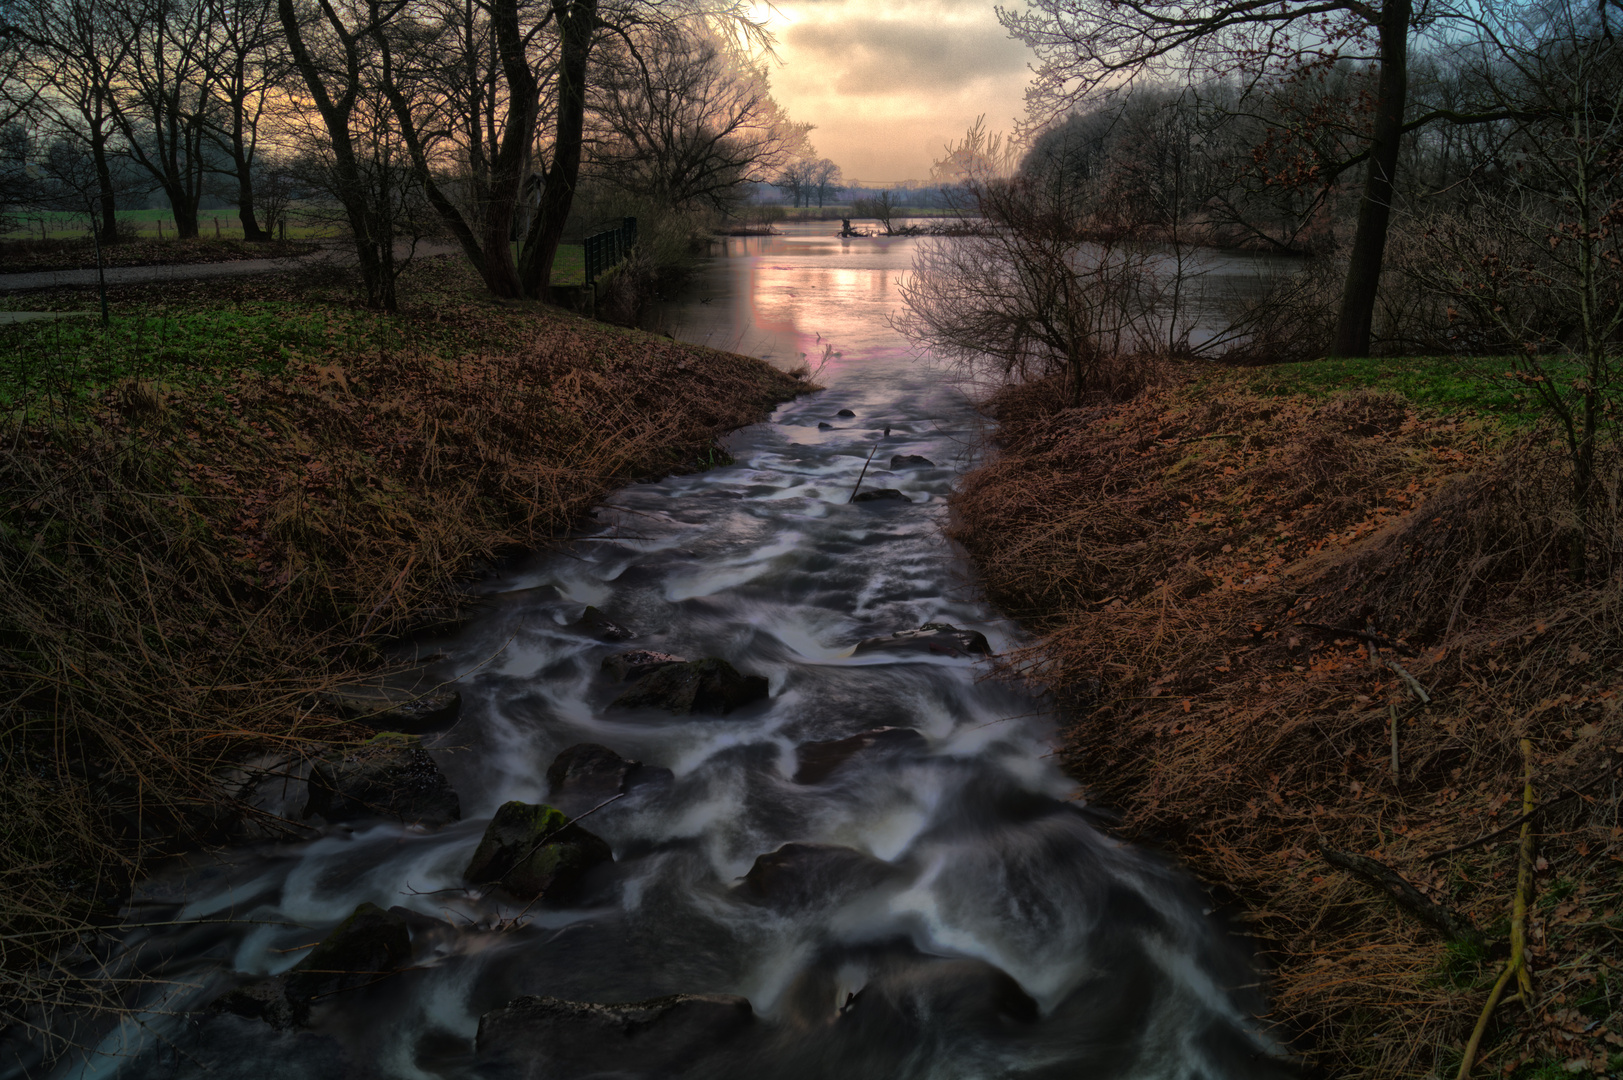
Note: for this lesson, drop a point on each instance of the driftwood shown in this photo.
(1393, 884)
(1414, 684)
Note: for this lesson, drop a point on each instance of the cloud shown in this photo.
(886, 57)
(888, 84)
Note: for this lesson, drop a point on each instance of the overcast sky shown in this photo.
(888, 82)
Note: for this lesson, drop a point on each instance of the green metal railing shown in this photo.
(607, 249)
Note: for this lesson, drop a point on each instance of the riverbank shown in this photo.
(1240, 578)
(228, 499)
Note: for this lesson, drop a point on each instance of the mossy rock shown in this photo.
(370, 943)
(368, 946)
(530, 850)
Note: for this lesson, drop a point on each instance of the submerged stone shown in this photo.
(543, 1038)
(389, 775)
(816, 760)
(845, 412)
(812, 875)
(881, 495)
(911, 461)
(943, 639)
(709, 685)
(587, 774)
(529, 850)
(265, 1000)
(600, 626)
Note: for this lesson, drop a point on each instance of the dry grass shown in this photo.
(182, 566)
(1175, 551)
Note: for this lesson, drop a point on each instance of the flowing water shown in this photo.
(986, 929)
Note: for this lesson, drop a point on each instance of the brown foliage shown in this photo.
(1184, 552)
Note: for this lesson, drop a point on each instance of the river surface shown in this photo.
(989, 929)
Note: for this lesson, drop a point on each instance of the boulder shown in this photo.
(542, 1038)
(881, 495)
(530, 850)
(845, 412)
(816, 760)
(587, 774)
(371, 944)
(600, 626)
(389, 775)
(800, 876)
(393, 708)
(943, 639)
(911, 461)
(709, 685)
(622, 666)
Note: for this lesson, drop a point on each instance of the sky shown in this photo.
(888, 84)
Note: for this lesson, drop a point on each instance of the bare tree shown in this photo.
(74, 53)
(250, 62)
(1039, 292)
(332, 53)
(824, 178)
(795, 180)
(163, 97)
(882, 207)
(1085, 47)
(688, 123)
(1532, 266)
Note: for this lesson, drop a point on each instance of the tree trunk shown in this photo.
(1375, 209)
(185, 211)
(251, 231)
(241, 159)
(577, 19)
(107, 197)
(351, 187)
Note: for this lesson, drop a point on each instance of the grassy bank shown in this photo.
(226, 501)
(1228, 570)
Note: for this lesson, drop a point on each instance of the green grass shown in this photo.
(1445, 383)
(74, 357)
(568, 265)
(190, 338)
(1461, 966)
(66, 225)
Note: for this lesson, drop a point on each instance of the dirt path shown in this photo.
(133, 275)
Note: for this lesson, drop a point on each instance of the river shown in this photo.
(979, 924)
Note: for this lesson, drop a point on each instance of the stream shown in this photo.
(950, 909)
